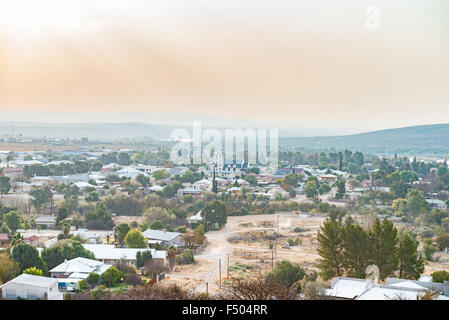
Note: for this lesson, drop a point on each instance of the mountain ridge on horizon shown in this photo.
(428, 139)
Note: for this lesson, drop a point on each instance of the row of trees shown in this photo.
(347, 249)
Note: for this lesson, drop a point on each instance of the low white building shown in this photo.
(393, 289)
(48, 221)
(27, 286)
(110, 254)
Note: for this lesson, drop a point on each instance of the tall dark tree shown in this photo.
(384, 239)
(411, 264)
(5, 185)
(356, 250)
(330, 239)
(28, 256)
(214, 213)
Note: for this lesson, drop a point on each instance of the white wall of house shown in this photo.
(15, 290)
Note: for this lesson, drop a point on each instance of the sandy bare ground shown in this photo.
(206, 271)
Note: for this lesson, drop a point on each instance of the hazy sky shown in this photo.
(302, 63)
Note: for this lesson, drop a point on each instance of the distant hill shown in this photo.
(89, 130)
(416, 140)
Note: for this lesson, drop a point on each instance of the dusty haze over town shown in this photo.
(309, 63)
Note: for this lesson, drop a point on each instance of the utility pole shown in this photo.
(272, 260)
(219, 269)
(228, 267)
(276, 237)
(207, 288)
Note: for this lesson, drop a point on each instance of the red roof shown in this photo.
(4, 237)
(33, 238)
(10, 170)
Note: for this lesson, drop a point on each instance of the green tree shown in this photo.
(143, 180)
(61, 215)
(384, 239)
(416, 202)
(65, 249)
(443, 241)
(156, 225)
(429, 249)
(27, 256)
(400, 189)
(16, 239)
(411, 264)
(214, 213)
(98, 219)
(5, 185)
(251, 179)
(40, 197)
(93, 279)
(324, 188)
(13, 220)
(111, 277)
(330, 239)
(76, 221)
(65, 226)
(121, 231)
(356, 251)
(9, 268)
(160, 174)
(135, 239)
(142, 257)
(440, 276)
(92, 197)
(341, 189)
(311, 189)
(286, 273)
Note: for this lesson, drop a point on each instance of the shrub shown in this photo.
(133, 280)
(156, 225)
(111, 277)
(286, 273)
(440, 276)
(34, 271)
(182, 229)
(443, 241)
(185, 258)
(427, 233)
(293, 242)
(93, 279)
(97, 294)
(299, 230)
(429, 249)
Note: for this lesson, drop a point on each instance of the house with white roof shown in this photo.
(394, 289)
(27, 286)
(82, 267)
(110, 254)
